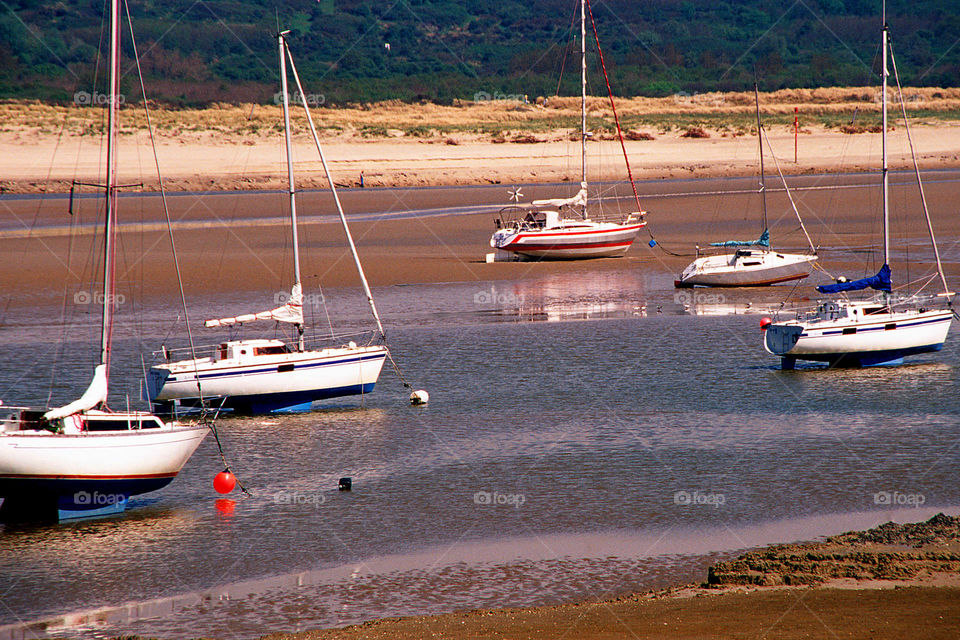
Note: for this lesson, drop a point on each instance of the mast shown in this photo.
(763, 188)
(109, 286)
(583, 99)
(336, 198)
(290, 183)
(886, 178)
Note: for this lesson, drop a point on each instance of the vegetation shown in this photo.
(358, 51)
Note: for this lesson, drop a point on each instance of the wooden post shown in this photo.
(796, 130)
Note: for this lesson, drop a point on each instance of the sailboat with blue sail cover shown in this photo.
(883, 329)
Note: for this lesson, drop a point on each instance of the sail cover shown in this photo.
(762, 241)
(94, 395)
(880, 282)
(291, 312)
(579, 200)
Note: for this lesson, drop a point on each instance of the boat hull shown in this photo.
(762, 269)
(42, 472)
(266, 385)
(885, 339)
(559, 244)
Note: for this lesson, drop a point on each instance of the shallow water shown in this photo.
(588, 435)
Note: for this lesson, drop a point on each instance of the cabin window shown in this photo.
(870, 310)
(223, 352)
(121, 424)
(285, 368)
(890, 327)
(271, 350)
(849, 330)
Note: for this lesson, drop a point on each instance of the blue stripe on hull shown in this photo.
(869, 358)
(287, 402)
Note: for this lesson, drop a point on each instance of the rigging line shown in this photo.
(613, 107)
(333, 190)
(163, 199)
(916, 168)
(787, 189)
(566, 51)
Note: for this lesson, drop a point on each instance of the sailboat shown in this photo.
(880, 330)
(271, 375)
(753, 263)
(559, 228)
(84, 458)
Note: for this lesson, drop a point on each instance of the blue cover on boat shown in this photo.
(880, 282)
(762, 241)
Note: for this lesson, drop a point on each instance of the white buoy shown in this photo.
(419, 397)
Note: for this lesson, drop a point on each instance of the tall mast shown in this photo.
(886, 180)
(583, 99)
(290, 183)
(763, 188)
(109, 286)
(336, 199)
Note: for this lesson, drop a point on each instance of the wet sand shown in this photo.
(241, 242)
(893, 581)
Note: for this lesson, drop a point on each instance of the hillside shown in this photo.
(355, 51)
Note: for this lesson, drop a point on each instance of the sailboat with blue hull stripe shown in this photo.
(884, 329)
(270, 375)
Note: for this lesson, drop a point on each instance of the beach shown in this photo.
(894, 581)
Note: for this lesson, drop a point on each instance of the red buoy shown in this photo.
(224, 482)
(764, 323)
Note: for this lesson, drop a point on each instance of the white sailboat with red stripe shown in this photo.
(547, 234)
(83, 458)
(562, 228)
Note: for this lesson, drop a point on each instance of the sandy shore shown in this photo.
(45, 147)
(36, 162)
(895, 581)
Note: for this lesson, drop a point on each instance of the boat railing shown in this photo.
(922, 303)
(366, 338)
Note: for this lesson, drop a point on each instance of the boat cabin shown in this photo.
(245, 350)
(21, 419)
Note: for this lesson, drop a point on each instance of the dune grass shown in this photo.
(729, 113)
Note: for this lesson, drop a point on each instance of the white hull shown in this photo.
(82, 469)
(859, 338)
(581, 240)
(746, 268)
(263, 383)
(98, 456)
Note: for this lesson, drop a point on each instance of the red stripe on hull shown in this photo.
(54, 476)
